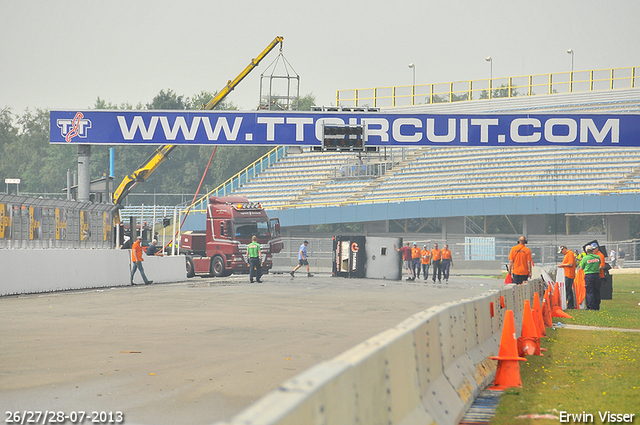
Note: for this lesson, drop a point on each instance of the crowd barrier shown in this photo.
(28, 271)
(37, 223)
(426, 370)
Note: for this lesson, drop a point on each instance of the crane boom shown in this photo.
(162, 153)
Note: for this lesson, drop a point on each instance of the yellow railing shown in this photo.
(242, 177)
(527, 85)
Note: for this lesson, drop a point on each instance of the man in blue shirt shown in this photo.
(302, 259)
(152, 249)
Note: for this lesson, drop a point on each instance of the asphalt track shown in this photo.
(193, 352)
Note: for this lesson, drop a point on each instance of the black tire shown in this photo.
(191, 271)
(218, 268)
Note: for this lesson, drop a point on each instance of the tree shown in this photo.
(8, 131)
(167, 100)
(306, 102)
(459, 97)
(102, 104)
(204, 97)
(27, 154)
(502, 91)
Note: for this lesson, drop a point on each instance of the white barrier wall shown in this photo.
(163, 269)
(426, 370)
(24, 271)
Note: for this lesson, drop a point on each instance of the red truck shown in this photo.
(221, 249)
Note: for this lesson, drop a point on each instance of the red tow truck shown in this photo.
(221, 249)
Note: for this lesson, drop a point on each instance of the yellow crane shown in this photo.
(162, 153)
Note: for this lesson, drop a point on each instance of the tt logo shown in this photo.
(70, 128)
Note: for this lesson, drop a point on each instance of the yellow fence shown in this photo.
(241, 177)
(527, 85)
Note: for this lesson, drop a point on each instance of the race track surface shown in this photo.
(197, 351)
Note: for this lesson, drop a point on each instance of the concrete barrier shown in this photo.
(25, 271)
(426, 370)
(163, 269)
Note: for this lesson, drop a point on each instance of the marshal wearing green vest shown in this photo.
(254, 254)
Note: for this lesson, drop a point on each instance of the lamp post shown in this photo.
(570, 51)
(413, 87)
(413, 67)
(488, 59)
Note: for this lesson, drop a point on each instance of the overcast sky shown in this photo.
(65, 54)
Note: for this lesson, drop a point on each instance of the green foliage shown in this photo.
(102, 104)
(459, 97)
(199, 100)
(502, 91)
(167, 100)
(8, 131)
(27, 154)
(306, 102)
(620, 312)
(582, 371)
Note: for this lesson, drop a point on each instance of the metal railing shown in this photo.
(355, 170)
(527, 85)
(242, 177)
(53, 223)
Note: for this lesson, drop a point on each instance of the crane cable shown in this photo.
(194, 199)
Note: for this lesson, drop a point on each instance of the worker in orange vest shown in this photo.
(447, 262)
(436, 260)
(520, 262)
(416, 254)
(425, 256)
(569, 266)
(136, 259)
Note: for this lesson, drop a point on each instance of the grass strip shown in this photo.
(583, 371)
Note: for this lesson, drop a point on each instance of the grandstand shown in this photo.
(317, 178)
(304, 188)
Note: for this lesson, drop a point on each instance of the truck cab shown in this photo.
(221, 249)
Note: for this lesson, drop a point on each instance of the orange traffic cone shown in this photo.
(508, 372)
(529, 341)
(553, 292)
(508, 279)
(537, 315)
(546, 310)
(557, 305)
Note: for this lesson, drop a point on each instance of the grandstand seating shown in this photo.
(281, 183)
(312, 178)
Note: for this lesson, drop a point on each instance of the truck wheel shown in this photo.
(217, 267)
(191, 271)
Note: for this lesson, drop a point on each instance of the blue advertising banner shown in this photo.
(115, 127)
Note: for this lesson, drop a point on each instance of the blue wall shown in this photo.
(441, 208)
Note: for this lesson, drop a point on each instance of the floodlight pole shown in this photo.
(570, 51)
(413, 87)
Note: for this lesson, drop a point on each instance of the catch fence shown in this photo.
(54, 223)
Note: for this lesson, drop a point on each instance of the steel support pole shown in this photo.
(84, 172)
